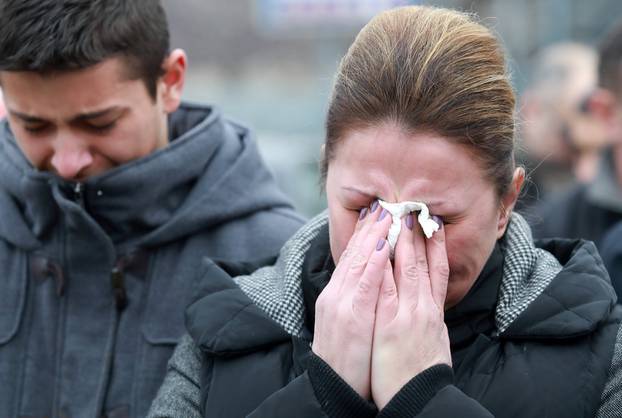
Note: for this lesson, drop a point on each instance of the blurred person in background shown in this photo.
(422, 110)
(611, 252)
(562, 140)
(589, 210)
(111, 191)
(2, 108)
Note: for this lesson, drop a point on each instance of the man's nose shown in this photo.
(70, 158)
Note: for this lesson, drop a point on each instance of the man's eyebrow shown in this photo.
(26, 118)
(80, 118)
(96, 114)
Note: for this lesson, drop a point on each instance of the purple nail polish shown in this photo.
(410, 221)
(363, 214)
(383, 214)
(438, 220)
(380, 244)
(374, 206)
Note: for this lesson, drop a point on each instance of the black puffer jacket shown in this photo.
(557, 357)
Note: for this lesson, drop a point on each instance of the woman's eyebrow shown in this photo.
(359, 191)
(436, 204)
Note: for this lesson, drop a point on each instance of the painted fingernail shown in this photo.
(380, 244)
(438, 220)
(383, 214)
(410, 221)
(363, 213)
(374, 206)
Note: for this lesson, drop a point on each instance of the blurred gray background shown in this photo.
(269, 63)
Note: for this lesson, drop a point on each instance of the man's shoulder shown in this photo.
(273, 224)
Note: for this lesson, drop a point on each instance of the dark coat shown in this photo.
(585, 211)
(94, 279)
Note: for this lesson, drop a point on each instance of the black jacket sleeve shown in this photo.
(337, 398)
(297, 399)
(319, 392)
(432, 394)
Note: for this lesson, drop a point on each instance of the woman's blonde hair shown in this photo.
(433, 70)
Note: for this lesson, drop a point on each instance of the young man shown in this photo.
(111, 191)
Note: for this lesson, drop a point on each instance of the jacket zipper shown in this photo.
(117, 280)
(78, 191)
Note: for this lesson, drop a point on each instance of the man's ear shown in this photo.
(171, 83)
(605, 107)
(509, 201)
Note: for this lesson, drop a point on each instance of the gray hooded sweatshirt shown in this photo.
(94, 277)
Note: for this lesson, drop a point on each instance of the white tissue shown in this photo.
(401, 209)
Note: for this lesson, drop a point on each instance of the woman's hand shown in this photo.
(410, 333)
(345, 310)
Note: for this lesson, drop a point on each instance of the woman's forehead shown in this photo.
(384, 157)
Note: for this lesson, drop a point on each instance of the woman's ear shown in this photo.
(509, 201)
(171, 83)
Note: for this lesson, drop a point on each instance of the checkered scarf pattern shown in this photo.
(277, 289)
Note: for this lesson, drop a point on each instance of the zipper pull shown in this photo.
(78, 191)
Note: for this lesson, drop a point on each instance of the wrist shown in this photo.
(337, 398)
(415, 395)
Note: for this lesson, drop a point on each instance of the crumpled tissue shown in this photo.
(401, 209)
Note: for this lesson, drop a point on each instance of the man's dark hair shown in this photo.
(610, 55)
(48, 36)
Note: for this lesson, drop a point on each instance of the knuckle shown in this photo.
(421, 264)
(410, 272)
(442, 268)
(358, 262)
(364, 287)
(374, 262)
(389, 291)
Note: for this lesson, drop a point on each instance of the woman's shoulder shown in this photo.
(277, 289)
(549, 281)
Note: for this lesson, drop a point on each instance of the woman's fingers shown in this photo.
(365, 298)
(421, 261)
(438, 265)
(413, 336)
(388, 303)
(406, 277)
(367, 217)
(376, 229)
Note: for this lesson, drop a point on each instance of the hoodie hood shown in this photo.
(211, 172)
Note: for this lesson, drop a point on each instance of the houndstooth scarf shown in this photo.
(277, 289)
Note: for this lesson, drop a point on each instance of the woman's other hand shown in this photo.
(410, 333)
(345, 310)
